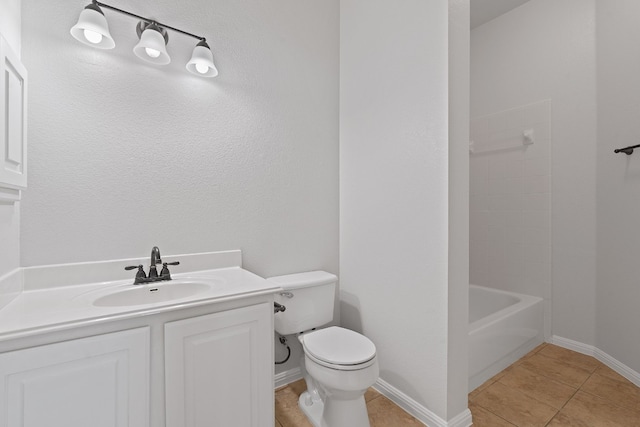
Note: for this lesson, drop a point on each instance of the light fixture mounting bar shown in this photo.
(124, 12)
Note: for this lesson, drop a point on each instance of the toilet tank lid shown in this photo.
(304, 280)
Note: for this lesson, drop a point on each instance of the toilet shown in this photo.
(339, 365)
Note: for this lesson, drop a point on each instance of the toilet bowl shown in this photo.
(339, 364)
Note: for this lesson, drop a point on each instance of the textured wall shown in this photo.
(126, 155)
(545, 49)
(618, 316)
(394, 187)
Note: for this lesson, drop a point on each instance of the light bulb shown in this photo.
(92, 36)
(153, 53)
(202, 68)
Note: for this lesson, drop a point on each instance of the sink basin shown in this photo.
(152, 293)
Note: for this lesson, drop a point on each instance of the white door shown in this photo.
(100, 381)
(219, 369)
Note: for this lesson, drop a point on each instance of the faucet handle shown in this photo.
(140, 273)
(165, 269)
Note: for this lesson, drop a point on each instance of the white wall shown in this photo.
(545, 49)
(618, 293)
(394, 179)
(125, 155)
(10, 24)
(458, 328)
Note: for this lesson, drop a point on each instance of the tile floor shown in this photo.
(382, 412)
(550, 386)
(554, 387)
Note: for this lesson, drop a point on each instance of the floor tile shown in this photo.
(606, 371)
(563, 420)
(543, 389)
(384, 413)
(622, 393)
(532, 352)
(481, 388)
(287, 411)
(515, 406)
(556, 369)
(371, 394)
(298, 387)
(573, 358)
(484, 418)
(593, 411)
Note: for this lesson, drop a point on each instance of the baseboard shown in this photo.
(603, 357)
(287, 377)
(418, 411)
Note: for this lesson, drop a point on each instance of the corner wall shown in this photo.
(459, 92)
(394, 183)
(618, 291)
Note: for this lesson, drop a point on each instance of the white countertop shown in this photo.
(46, 310)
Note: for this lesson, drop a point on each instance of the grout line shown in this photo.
(502, 418)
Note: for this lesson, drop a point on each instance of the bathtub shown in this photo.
(503, 327)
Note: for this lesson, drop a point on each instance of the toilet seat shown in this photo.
(339, 348)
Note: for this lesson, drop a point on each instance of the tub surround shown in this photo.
(57, 297)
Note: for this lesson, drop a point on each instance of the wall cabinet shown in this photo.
(99, 381)
(219, 369)
(13, 122)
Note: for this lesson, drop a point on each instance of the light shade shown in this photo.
(92, 28)
(201, 62)
(152, 46)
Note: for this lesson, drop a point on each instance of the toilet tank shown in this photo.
(308, 298)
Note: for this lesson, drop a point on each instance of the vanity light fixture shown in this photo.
(152, 46)
(92, 29)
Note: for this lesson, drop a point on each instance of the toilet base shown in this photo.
(350, 413)
(312, 411)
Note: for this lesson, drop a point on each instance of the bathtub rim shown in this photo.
(524, 301)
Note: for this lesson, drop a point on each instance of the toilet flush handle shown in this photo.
(286, 294)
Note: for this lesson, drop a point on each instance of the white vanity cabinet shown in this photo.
(219, 369)
(99, 381)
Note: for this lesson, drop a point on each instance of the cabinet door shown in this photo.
(100, 381)
(219, 369)
(13, 119)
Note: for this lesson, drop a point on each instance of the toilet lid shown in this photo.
(339, 346)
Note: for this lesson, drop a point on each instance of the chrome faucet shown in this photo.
(141, 277)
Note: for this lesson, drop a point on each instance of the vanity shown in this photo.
(193, 351)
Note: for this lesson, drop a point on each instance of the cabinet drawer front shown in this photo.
(219, 370)
(100, 381)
